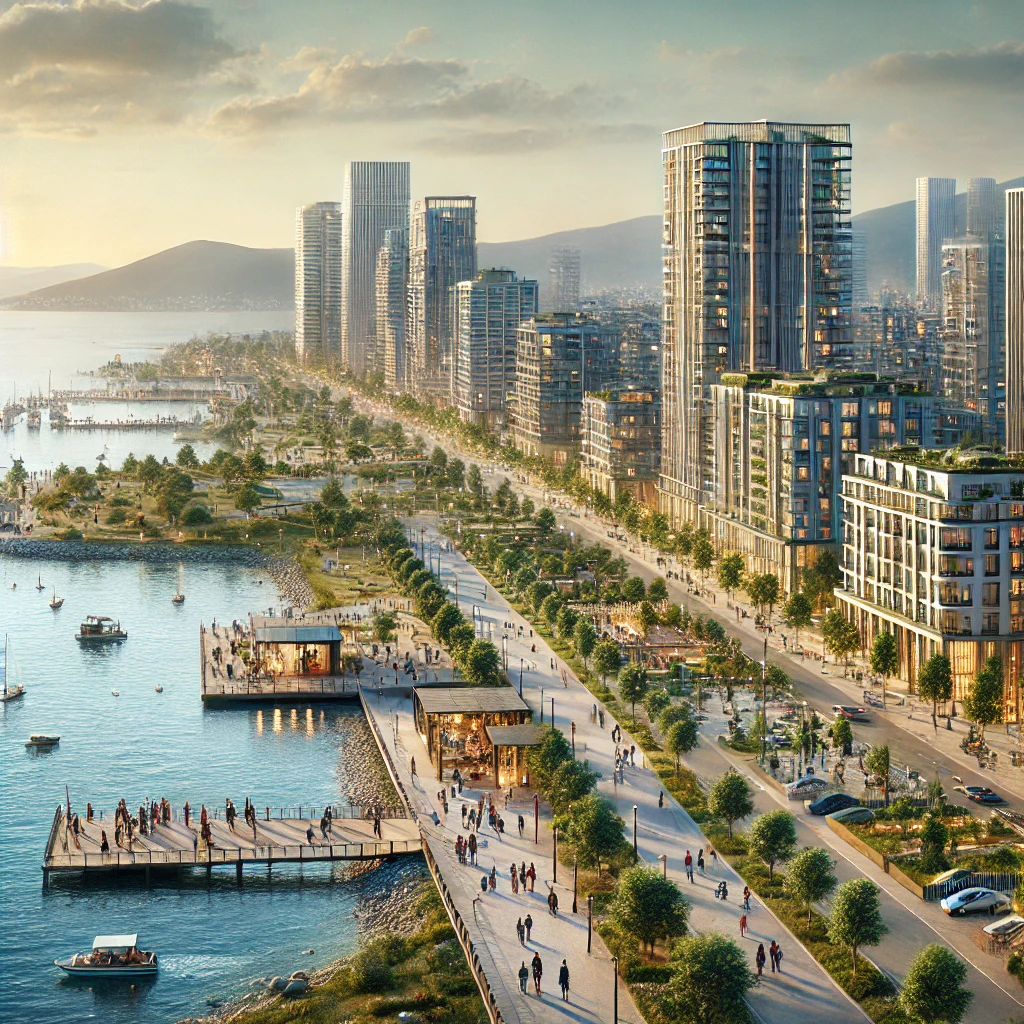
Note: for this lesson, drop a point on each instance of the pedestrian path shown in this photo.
(805, 992)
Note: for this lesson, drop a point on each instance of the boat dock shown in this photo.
(280, 839)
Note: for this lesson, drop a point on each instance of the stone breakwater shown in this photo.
(287, 575)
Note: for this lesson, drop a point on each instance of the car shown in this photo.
(974, 901)
(832, 802)
(980, 794)
(809, 785)
(851, 712)
(853, 815)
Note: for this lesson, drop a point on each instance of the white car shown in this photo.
(975, 900)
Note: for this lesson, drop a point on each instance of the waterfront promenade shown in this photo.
(805, 993)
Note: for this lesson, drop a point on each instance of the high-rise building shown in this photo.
(974, 330)
(564, 280)
(392, 282)
(757, 272)
(621, 441)
(1014, 233)
(982, 208)
(559, 357)
(860, 269)
(442, 252)
(318, 281)
(376, 198)
(488, 312)
(640, 352)
(936, 222)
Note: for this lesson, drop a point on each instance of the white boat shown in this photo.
(112, 956)
(158, 688)
(57, 601)
(39, 740)
(39, 582)
(178, 598)
(9, 692)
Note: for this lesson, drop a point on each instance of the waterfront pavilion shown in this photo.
(453, 722)
(508, 745)
(295, 651)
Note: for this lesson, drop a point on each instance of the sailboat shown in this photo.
(57, 601)
(39, 582)
(9, 692)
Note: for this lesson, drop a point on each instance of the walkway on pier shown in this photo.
(277, 840)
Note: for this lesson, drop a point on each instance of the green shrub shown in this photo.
(371, 972)
(116, 516)
(1015, 965)
(196, 514)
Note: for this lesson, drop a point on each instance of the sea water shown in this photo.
(213, 936)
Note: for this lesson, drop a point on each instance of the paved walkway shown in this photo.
(805, 992)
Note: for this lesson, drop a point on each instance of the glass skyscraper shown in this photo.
(318, 281)
(936, 223)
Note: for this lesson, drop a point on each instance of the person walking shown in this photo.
(522, 825)
(563, 980)
(514, 875)
(524, 976)
(746, 897)
(714, 857)
(553, 903)
(531, 875)
(689, 866)
(743, 925)
(521, 932)
(700, 860)
(771, 954)
(759, 959)
(492, 878)
(661, 798)
(538, 970)
(778, 958)
(528, 925)
(522, 875)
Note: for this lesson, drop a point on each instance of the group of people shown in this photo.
(537, 969)
(774, 952)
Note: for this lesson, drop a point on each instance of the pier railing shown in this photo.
(301, 686)
(305, 812)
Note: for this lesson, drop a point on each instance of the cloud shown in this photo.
(529, 140)
(1000, 67)
(670, 52)
(396, 88)
(67, 66)
(416, 37)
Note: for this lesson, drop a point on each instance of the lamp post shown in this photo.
(542, 706)
(575, 879)
(536, 818)
(552, 712)
(764, 699)
(590, 920)
(615, 994)
(663, 857)
(520, 677)
(572, 732)
(554, 855)
(635, 855)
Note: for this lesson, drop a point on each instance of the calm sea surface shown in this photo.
(40, 349)
(213, 937)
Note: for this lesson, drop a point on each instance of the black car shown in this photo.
(832, 802)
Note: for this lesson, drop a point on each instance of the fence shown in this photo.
(311, 686)
(1001, 881)
(303, 811)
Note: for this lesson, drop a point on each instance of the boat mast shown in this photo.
(5, 664)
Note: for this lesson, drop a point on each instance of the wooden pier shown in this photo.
(280, 839)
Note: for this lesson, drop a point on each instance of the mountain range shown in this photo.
(222, 276)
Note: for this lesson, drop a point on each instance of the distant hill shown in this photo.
(620, 255)
(197, 275)
(889, 233)
(18, 280)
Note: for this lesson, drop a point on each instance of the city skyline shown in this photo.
(229, 113)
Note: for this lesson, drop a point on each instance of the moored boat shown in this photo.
(112, 956)
(179, 598)
(40, 740)
(9, 692)
(100, 629)
(57, 601)
(39, 582)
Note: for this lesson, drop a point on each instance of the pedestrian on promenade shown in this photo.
(632, 755)
(522, 875)
(538, 970)
(524, 976)
(563, 980)
(522, 824)
(465, 809)
(514, 875)
(778, 958)
(521, 932)
(531, 874)
(600, 715)
(661, 798)
(700, 860)
(104, 845)
(759, 958)
(743, 925)
(309, 834)
(553, 903)
(714, 857)
(376, 826)
(746, 897)
(492, 879)
(412, 765)
(472, 848)
(688, 861)
(528, 925)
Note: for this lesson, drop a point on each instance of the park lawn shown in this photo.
(362, 581)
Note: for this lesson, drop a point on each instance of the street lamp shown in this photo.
(590, 919)
(575, 879)
(764, 699)
(542, 706)
(663, 857)
(536, 818)
(520, 677)
(554, 855)
(635, 855)
(615, 996)
(572, 732)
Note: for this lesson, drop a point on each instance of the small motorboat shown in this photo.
(57, 601)
(116, 693)
(39, 583)
(100, 629)
(158, 688)
(112, 956)
(9, 692)
(39, 740)
(178, 598)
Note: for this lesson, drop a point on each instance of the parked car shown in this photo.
(980, 794)
(975, 900)
(852, 712)
(809, 785)
(853, 815)
(832, 802)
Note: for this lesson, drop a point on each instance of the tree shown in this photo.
(841, 636)
(935, 683)
(632, 685)
(481, 664)
(461, 638)
(933, 987)
(730, 572)
(567, 619)
(934, 835)
(545, 522)
(186, 457)
(16, 477)
(763, 590)
(444, 621)
(545, 758)
(730, 798)
(658, 590)
(656, 701)
(842, 735)
(607, 658)
(649, 907)
(681, 737)
(856, 917)
(646, 617)
(255, 466)
(772, 838)
(247, 498)
(878, 762)
(983, 704)
(822, 578)
(593, 831)
(673, 617)
(885, 658)
(550, 607)
(584, 639)
(709, 983)
(571, 781)
(797, 611)
(703, 556)
(526, 508)
(634, 590)
(809, 877)
(384, 624)
(438, 460)
(474, 481)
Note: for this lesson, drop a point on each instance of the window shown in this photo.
(803, 473)
(990, 595)
(990, 623)
(991, 565)
(955, 538)
(991, 536)
(851, 409)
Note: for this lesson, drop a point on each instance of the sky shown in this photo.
(127, 127)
